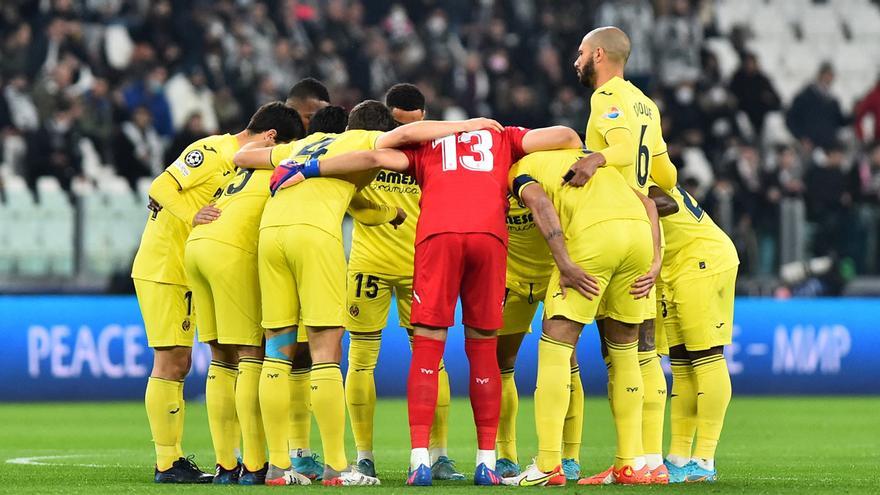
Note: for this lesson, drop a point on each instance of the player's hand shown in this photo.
(572, 276)
(286, 174)
(582, 170)
(642, 286)
(483, 123)
(399, 219)
(207, 214)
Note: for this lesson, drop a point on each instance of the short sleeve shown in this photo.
(515, 135)
(280, 152)
(607, 113)
(518, 178)
(198, 162)
(373, 136)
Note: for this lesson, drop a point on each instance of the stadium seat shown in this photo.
(820, 24)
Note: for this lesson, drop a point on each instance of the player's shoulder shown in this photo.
(206, 149)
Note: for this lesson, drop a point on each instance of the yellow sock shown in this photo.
(682, 408)
(181, 417)
(626, 402)
(505, 440)
(329, 410)
(220, 403)
(440, 427)
(574, 418)
(275, 409)
(551, 399)
(247, 407)
(713, 396)
(162, 400)
(654, 405)
(610, 369)
(300, 430)
(360, 387)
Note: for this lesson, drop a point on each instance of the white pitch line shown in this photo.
(41, 460)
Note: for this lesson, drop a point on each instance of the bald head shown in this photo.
(611, 39)
(602, 54)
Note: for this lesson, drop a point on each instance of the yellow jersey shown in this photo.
(280, 152)
(241, 204)
(322, 201)
(695, 246)
(382, 248)
(200, 170)
(528, 256)
(605, 197)
(618, 104)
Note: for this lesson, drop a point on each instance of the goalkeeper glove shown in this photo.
(289, 173)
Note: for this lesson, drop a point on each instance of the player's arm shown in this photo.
(428, 130)
(290, 173)
(257, 155)
(665, 204)
(550, 138)
(571, 275)
(663, 171)
(165, 194)
(618, 153)
(642, 286)
(368, 212)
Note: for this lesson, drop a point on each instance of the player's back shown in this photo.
(605, 197)
(241, 204)
(695, 245)
(620, 104)
(464, 181)
(320, 202)
(199, 172)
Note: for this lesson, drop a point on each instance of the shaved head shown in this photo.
(603, 51)
(611, 39)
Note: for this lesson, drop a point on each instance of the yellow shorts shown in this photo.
(302, 277)
(168, 313)
(616, 253)
(226, 288)
(520, 304)
(699, 312)
(369, 299)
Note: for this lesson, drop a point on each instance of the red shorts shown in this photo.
(470, 265)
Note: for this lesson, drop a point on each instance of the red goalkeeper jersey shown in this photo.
(464, 181)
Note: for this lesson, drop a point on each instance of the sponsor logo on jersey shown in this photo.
(612, 113)
(394, 178)
(526, 218)
(194, 158)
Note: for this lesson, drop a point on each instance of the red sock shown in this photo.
(485, 389)
(421, 388)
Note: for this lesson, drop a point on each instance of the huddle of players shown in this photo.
(226, 279)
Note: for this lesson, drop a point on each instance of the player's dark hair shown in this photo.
(309, 88)
(331, 119)
(276, 115)
(371, 115)
(405, 96)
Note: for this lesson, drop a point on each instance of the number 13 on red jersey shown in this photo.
(480, 158)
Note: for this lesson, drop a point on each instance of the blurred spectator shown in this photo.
(868, 107)
(569, 109)
(815, 116)
(149, 92)
(789, 176)
(829, 201)
(189, 94)
(754, 92)
(192, 131)
(677, 39)
(636, 18)
(137, 148)
(96, 122)
(53, 150)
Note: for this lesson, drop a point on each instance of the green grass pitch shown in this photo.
(769, 445)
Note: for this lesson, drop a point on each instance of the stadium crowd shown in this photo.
(141, 79)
